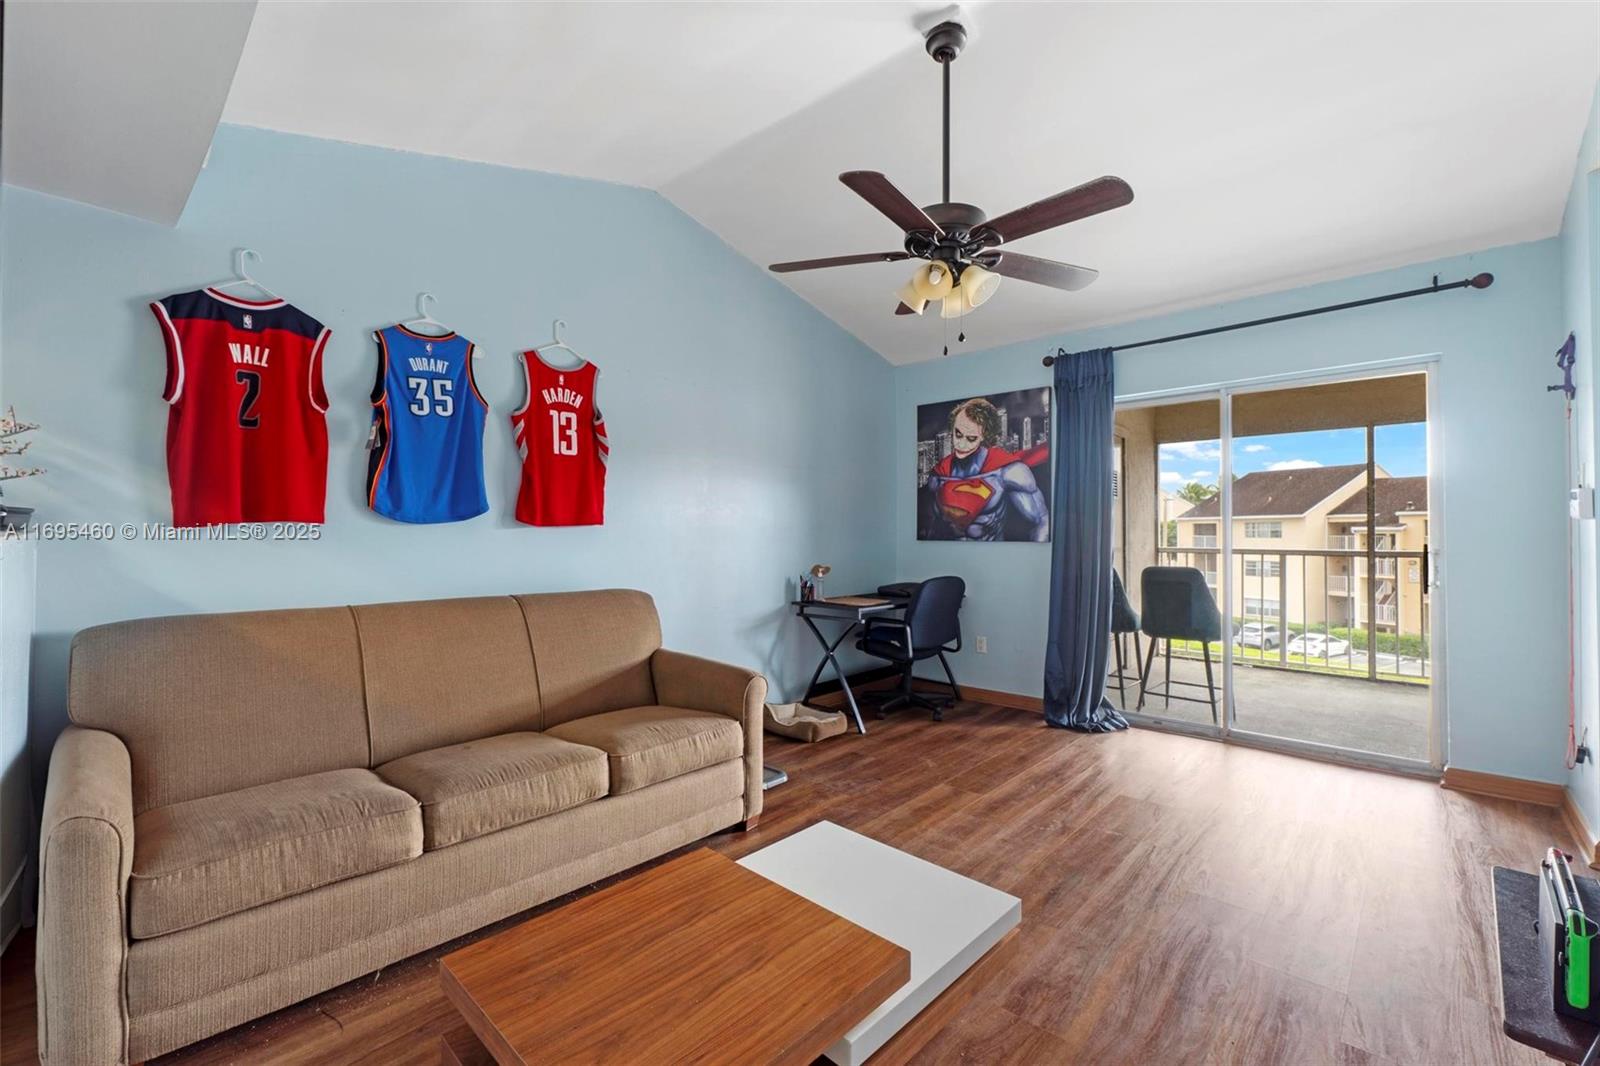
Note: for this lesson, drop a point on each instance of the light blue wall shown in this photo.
(1580, 249)
(1503, 485)
(747, 430)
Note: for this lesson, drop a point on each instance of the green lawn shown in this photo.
(1191, 649)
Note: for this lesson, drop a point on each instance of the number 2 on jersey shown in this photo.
(251, 380)
(564, 432)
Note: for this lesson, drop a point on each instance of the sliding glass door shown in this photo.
(1300, 515)
(1170, 457)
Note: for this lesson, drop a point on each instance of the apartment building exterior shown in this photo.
(1292, 530)
(1401, 513)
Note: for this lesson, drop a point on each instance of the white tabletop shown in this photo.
(946, 921)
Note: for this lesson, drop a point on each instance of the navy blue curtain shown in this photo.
(1080, 550)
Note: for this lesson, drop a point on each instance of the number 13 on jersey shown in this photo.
(561, 438)
(564, 432)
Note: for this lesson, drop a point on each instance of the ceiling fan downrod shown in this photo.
(944, 43)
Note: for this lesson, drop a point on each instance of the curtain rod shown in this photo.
(1477, 281)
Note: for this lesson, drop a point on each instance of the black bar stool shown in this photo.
(1178, 606)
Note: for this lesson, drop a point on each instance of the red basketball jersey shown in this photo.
(246, 436)
(561, 437)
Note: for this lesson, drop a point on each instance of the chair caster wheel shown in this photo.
(938, 716)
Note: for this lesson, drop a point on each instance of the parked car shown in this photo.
(1319, 646)
(1256, 635)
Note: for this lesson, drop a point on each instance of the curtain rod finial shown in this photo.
(1481, 281)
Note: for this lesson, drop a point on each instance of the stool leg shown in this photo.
(1117, 642)
(1211, 689)
(1144, 675)
(1137, 655)
(1166, 690)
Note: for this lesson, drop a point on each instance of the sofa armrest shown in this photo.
(704, 685)
(85, 858)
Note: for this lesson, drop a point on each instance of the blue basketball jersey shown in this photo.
(426, 464)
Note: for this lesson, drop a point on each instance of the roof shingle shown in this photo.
(1281, 492)
(1395, 494)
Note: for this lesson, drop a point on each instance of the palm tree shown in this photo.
(1195, 492)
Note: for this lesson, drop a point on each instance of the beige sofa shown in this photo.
(251, 808)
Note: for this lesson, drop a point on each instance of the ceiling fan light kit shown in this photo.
(911, 302)
(933, 282)
(962, 244)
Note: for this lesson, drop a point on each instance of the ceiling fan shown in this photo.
(962, 245)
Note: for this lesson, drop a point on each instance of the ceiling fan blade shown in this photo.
(880, 192)
(1090, 198)
(902, 309)
(838, 261)
(1044, 271)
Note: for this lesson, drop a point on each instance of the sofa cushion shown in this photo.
(470, 789)
(593, 651)
(206, 858)
(209, 703)
(442, 672)
(649, 744)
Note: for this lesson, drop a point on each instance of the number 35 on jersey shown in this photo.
(561, 437)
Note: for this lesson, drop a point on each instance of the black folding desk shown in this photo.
(853, 615)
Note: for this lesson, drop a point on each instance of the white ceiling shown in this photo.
(1267, 144)
(627, 92)
(115, 103)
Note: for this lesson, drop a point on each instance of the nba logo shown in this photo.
(249, 322)
(429, 347)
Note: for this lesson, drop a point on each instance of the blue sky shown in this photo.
(1401, 450)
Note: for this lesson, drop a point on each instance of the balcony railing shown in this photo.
(1385, 566)
(1343, 542)
(1205, 542)
(1326, 622)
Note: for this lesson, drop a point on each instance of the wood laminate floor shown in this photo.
(1183, 902)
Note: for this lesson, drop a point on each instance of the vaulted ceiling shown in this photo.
(1268, 144)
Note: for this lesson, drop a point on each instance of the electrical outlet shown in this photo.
(982, 644)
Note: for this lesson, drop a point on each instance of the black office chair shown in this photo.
(1124, 620)
(1178, 606)
(930, 626)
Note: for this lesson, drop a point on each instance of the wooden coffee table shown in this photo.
(697, 960)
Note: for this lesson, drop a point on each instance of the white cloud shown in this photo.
(1294, 464)
(1256, 448)
(1203, 475)
(1172, 476)
(1192, 450)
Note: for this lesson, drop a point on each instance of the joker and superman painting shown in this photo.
(983, 468)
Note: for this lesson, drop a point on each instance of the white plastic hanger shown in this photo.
(556, 342)
(425, 319)
(242, 274)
